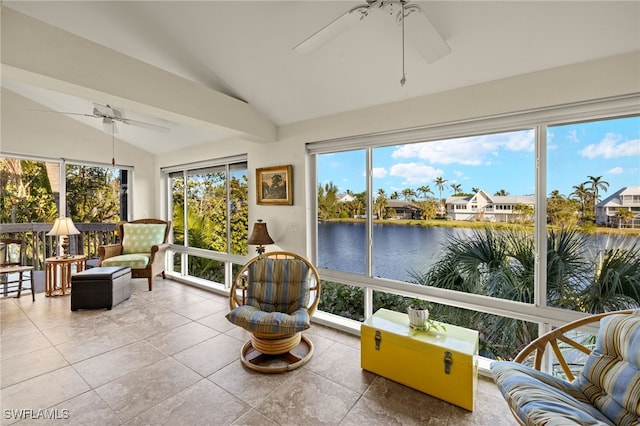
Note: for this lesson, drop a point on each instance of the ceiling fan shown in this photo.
(424, 37)
(110, 115)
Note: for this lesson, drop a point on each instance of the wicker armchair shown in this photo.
(604, 389)
(142, 247)
(273, 296)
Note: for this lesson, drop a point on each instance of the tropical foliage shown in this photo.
(576, 209)
(92, 193)
(208, 204)
(501, 264)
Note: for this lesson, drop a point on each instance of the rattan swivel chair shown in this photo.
(592, 386)
(274, 296)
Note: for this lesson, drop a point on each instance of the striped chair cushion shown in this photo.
(278, 285)
(538, 398)
(611, 376)
(606, 392)
(277, 296)
(252, 319)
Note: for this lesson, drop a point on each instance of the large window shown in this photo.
(32, 191)
(484, 215)
(593, 222)
(208, 206)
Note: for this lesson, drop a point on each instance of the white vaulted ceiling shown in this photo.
(244, 49)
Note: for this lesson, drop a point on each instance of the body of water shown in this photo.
(398, 249)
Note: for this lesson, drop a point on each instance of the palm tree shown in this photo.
(596, 184)
(457, 188)
(394, 195)
(381, 203)
(615, 283)
(475, 190)
(624, 215)
(502, 264)
(502, 192)
(424, 190)
(440, 181)
(408, 194)
(582, 194)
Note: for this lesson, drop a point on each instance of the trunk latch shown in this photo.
(378, 339)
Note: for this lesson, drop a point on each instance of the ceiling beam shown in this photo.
(42, 55)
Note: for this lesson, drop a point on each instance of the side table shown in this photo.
(58, 273)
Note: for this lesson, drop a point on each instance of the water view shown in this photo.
(399, 249)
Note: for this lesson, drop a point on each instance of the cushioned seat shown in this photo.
(134, 261)
(607, 391)
(273, 296)
(143, 247)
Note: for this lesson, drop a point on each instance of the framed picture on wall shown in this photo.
(274, 185)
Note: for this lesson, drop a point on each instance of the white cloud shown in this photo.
(612, 146)
(468, 151)
(415, 173)
(572, 135)
(616, 171)
(379, 172)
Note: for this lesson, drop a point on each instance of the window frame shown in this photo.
(539, 120)
(62, 162)
(185, 250)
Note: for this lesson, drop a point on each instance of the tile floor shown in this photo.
(170, 357)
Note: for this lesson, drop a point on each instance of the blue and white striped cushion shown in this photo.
(538, 398)
(253, 319)
(278, 285)
(606, 392)
(277, 295)
(611, 376)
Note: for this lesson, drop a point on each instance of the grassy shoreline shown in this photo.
(592, 230)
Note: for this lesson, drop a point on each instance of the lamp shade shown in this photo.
(259, 236)
(63, 226)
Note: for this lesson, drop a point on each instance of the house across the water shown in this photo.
(491, 208)
(626, 198)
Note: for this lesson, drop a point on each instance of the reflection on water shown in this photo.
(399, 249)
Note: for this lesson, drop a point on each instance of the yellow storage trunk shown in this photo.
(442, 364)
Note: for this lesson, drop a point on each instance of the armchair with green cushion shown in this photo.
(142, 247)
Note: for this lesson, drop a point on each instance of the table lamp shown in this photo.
(62, 228)
(259, 237)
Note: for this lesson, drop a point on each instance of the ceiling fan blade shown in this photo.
(62, 112)
(333, 29)
(145, 125)
(423, 36)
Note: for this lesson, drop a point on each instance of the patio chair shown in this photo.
(605, 390)
(273, 297)
(13, 270)
(143, 244)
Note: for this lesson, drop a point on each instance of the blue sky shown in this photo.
(609, 148)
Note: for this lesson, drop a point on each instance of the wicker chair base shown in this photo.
(276, 355)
